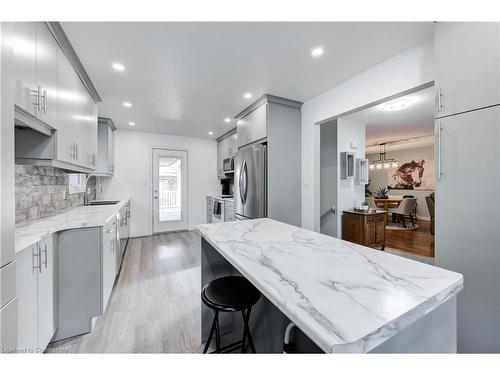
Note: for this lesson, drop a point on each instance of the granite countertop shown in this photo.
(344, 296)
(78, 217)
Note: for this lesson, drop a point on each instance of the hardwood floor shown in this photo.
(155, 305)
(419, 241)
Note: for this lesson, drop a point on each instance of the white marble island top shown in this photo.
(345, 297)
(78, 217)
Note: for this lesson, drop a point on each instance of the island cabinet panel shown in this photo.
(367, 229)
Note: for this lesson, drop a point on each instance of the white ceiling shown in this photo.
(185, 78)
(415, 121)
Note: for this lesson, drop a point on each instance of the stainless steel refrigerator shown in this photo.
(250, 187)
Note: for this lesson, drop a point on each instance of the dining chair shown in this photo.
(405, 208)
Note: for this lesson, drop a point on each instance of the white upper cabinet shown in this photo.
(46, 74)
(53, 100)
(105, 164)
(66, 150)
(253, 126)
(467, 66)
(26, 95)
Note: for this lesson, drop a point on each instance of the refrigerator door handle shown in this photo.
(440, 152)
(243, 189)
(245, 170)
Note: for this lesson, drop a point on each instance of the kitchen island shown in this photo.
(346, 298)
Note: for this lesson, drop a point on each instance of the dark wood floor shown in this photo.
(418, 241)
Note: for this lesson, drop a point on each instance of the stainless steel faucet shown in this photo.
(88, 190)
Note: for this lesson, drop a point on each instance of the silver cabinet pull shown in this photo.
(440, 105)
(44, 105)
(45, 261)
(38, 94)
(35, 254)
(440, 151)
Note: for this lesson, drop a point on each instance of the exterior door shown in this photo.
(169, 190)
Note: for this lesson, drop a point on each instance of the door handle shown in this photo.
(155, 194)
(440, 152)
(246, 181)
(45, 252)
(240, 183)
(34, 255)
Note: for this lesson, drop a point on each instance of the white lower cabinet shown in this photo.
(109, 251)
(35, 293)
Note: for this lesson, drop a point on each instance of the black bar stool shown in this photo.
(230, 294)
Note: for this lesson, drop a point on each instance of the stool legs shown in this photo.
(215, 323)
(246, 331)
(247, 336)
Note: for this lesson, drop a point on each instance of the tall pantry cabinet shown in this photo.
(467, 126)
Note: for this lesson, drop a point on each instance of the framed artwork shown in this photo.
(412, 175)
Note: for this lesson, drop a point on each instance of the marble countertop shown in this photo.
(78, 217)
(345, 297)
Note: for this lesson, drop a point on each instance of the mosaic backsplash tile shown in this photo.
(42, 192)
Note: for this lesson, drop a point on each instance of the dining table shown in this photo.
(387, 202)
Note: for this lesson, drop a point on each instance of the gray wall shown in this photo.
(42, 192)
(329, 174)
(379, 177)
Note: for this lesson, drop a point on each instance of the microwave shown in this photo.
(228, 165)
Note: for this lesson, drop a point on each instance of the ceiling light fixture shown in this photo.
(247, 95)
(396, 105)
(118, 67)
(227, 120)
(382, 160)
(127, 104)
(210, 133)
(131, 123)
(317, 52)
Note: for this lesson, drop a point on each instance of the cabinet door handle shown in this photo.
(440, 150)
(440, 105)
(38, 93)
(44, 105)
(34, 255)
(45, 261)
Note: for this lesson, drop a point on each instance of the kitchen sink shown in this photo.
(102, 203)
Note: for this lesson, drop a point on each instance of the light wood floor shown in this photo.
(155, 305)
(418, 241)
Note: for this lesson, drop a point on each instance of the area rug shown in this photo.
(397, 226)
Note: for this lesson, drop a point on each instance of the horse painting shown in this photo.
(412, 175)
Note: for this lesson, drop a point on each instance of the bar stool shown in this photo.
(230, 294)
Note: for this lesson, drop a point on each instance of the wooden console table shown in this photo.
(364, 228)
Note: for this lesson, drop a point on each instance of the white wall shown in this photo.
(380, 177)
(349, 194)
(403, 72)
(133, 175)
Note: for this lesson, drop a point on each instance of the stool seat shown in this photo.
(230, 293)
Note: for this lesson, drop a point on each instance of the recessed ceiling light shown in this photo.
(396, 105)
(131, 123)
(317, 51)
(118, 67)
(227, 119)
(210, 133)
(247, 95)
(127, 104)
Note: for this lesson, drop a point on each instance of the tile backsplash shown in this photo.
(42, 192)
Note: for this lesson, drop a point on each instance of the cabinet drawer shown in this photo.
(8, 326)
(7, 283)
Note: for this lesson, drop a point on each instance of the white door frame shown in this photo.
(152, 160)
